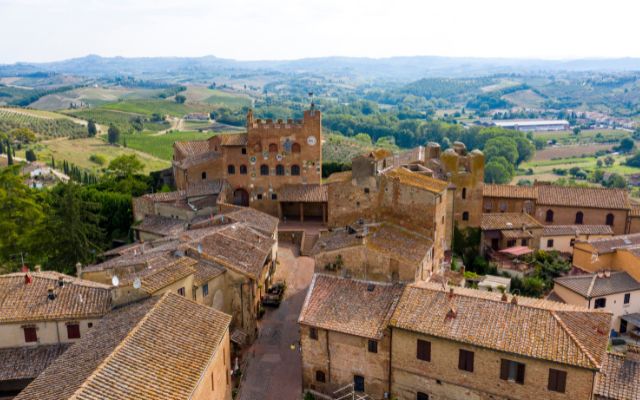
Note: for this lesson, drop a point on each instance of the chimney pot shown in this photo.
(27, 279)
(504, 297)
(514, 300)
(60, 281)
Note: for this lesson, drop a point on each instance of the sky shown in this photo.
(49, 30)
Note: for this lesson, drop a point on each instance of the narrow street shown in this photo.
(274, 371)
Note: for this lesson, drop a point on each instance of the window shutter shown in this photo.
(424, 350)
(462, 359)
(470, 361)
(561, 381)
(504, 369)
(520, 373)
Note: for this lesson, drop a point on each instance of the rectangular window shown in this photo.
(313, 333)
(373, 346)
(627, 298)
(259, 196)
(422, 396)
(511, 243)
(549, 243)
(244, 150)
(194, 292)
(181, 291)
(30, 334)
(465, 360)
(274, 196)
(524, 242)
(73, 331)
(423, 351)
(205, 290)
(512, 371)
(600, 303)
(557, 380)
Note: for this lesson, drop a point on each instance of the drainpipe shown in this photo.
(328, 355)
(390, 358)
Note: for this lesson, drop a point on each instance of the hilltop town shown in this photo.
(404, 277)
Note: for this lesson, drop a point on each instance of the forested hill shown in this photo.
(394, 68)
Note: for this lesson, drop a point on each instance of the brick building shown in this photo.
(423, 341)
(256, 164)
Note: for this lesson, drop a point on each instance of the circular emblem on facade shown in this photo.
(279, 157)
(311, 140)
(253, 160)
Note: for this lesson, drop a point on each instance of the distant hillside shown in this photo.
(394, 68)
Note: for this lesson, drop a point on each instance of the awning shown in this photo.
(517, 251)
(633, 319)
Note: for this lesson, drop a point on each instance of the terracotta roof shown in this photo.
(335, 240)
(635, 210)
(255, 219)
(565, 196)
(191, 148)
(205, 188)
(574, 230)
(155, 349)
(610, 244)
(21, 302)
(162, 275)
(29, 361)
(159, 225)
(505, 221)
(533, 328)
(590, 285)
(351, 306)
(379, 154)
(343, 176)
(414, 179)
(510, 191)
(516, 234)
(234, 246)
(147, 258)
(233, 139)
(304, 193)
(619, 378)
(206, 271)
(165, 196)
(197, 159)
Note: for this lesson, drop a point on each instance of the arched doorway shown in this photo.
(241, 198)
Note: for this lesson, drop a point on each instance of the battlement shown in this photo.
(311, 117)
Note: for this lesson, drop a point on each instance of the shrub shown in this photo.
(97, 159)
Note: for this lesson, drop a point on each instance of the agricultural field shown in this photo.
(585, 136)
(44, 124)
(525, 99)
(93, 96)
(201, 94)
(78, 151)
(119, 118)
(161, 146)
(557, 152)
(164, 107)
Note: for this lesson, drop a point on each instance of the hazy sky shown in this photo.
(45, 30)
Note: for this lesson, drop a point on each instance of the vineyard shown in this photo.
(43, 126)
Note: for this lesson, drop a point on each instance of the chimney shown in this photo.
(450, 292)
(50, 294)
(37, 268)
(79, 270)
(60, 281)
(607, 273)
(27, 279)
(504, 297)
(514, 300)
(452, 312)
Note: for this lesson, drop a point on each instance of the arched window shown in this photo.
(204, 175)
(464, 193)
(295, 170)
(579, 217)
(273, 148)
(295, 148)
(320, 377)
(549, 217)
(465, 216)
(243, 169)
(280, 169)
(610, 219)
(264, 169)
(231, 169)
(257, 148)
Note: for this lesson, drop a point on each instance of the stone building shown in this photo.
(397, 195)
(443, 343)
(41, 315)
(375, 251)
(615, 253)
(507, 230)
(562, 237)
(158, 348)
(561, 205)
(256, 164)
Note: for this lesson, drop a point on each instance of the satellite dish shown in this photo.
(137, 283)
(115, 281)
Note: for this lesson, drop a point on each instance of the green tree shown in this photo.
(113, 134)
(125, 166)
(30, 155)
(498, 170)
(21, 213)
(626, 145)
(180, 98)
(502, 147)
(576, 130)
(608, 161)
(92, 130)
(74, 234)
(9, 153)
(526, 149)
(616, 181)
(23, 135)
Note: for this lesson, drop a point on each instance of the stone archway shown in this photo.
(241, 197)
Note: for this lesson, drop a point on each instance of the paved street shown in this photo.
(274, 370)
